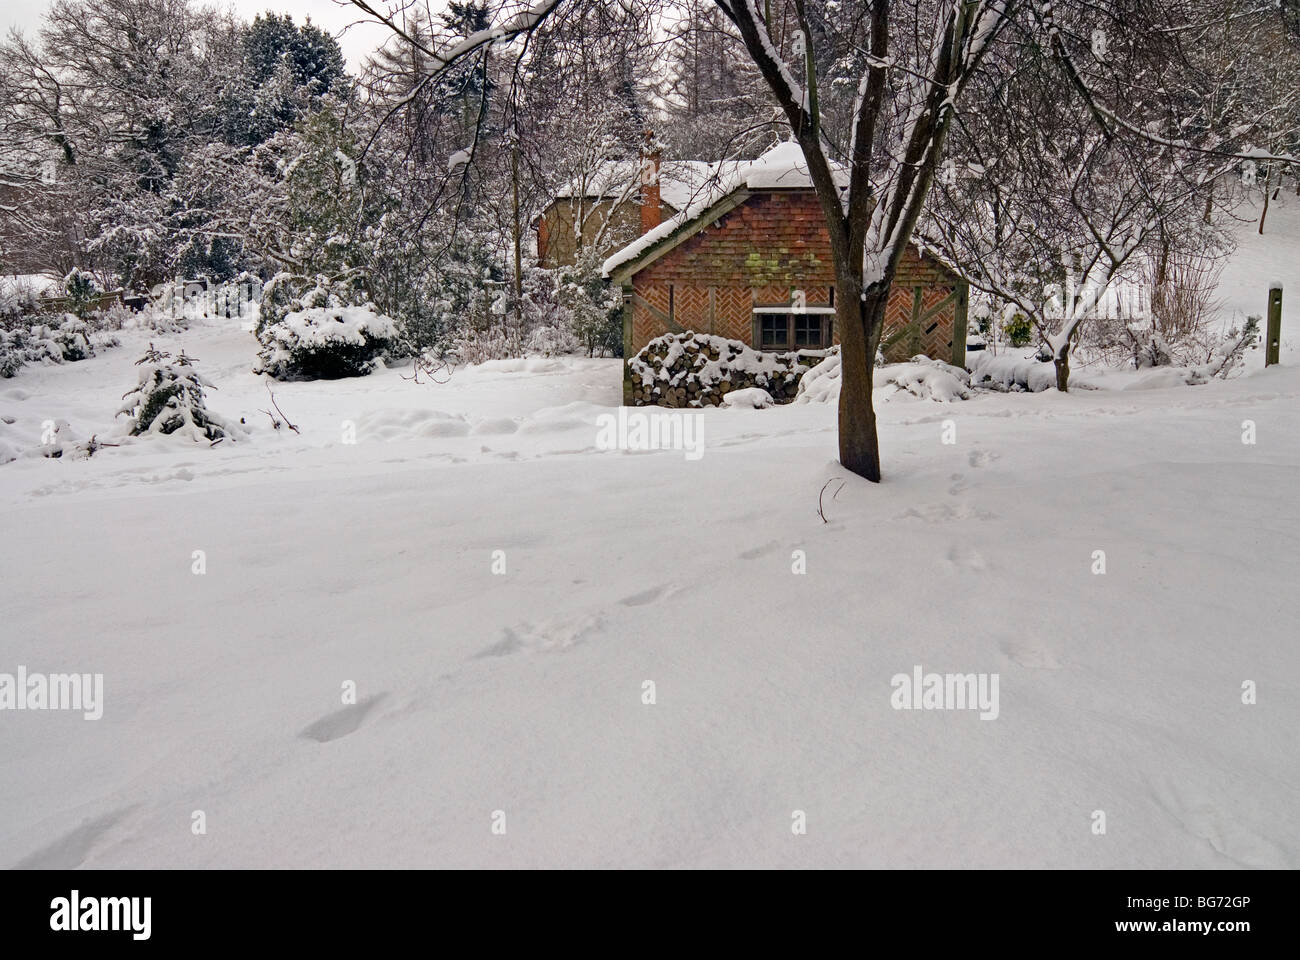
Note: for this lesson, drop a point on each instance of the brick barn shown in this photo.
(742, 261)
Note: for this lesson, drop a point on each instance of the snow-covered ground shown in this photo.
(521, 692)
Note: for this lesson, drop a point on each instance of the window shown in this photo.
(808, 330)
(778, 331)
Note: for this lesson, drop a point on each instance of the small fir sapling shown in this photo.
(169, 398)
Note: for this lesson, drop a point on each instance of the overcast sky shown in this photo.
(357, 41)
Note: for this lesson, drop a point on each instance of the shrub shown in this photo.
(68, 341)
(1018, 329)
(12, 358)
(73, 339)
(325, 343)
(83, 292)
(1011, 374)
(593, 307)
(470, 345)
(930, 379)
(168, 398)
(327, 332)
(1228, 354)
(548, 341)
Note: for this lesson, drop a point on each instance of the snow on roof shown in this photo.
(679, 180)
(784, 167)
(781, 168)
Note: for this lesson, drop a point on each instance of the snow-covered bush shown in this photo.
(1228, 354)
(72, 337)
(168, 398)
(821, 384)
(326, 332)
(1008, 372)
(115, 317)
(920, 376)
(591, 307)
(325, 343)
(66, 341)
(83, 292)
(19, 301)
(12, 358)
(929, 379)
(548, 341)
(57, 440)
(1150, 349)
(65, 443)
(470, 346)
(696, 370)
(750, 398)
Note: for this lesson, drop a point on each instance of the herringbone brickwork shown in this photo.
(760, 254)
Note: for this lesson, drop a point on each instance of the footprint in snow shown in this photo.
(70, 850)
(945, 513)
(649, 596)
(967, 558)
(760, 551)
(1031, 654)
(1223, 829)
(550, 637)
(340, 723)
(982, 458)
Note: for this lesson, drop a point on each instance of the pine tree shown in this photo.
(168, 398)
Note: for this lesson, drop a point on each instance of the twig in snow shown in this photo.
(274, 422)
(821, 512)
(433, 369)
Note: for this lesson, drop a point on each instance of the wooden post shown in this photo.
(960, 321)
(627, 342)
(1273, 340)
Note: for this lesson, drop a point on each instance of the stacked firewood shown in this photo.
(698, 370)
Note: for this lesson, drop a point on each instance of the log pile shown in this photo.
(698, 370)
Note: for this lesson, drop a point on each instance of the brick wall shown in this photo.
(758, 255)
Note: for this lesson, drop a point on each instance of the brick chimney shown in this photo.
(651, 157)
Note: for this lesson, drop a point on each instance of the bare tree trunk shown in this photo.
(518, 239)
(859, 322)
(1062, 361)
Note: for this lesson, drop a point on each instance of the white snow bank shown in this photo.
(929, 379)
(750, 398)
(1011, 372)
(921, 377)
(396, 424)
(821, 384)
(517, 365)
(370, 562)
